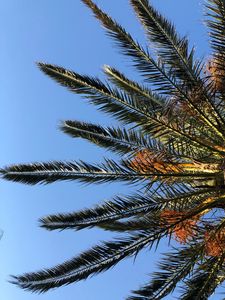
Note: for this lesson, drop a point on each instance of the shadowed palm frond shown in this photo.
(110, 100)
(98, 259)
(171, 143)
(173, 268)
(168, 219)
(206, 278)
(124, 207)
(133, 88)
(216, 24)
(153, 70)
(120, 207)
(122, 106)
(125, 141)
(172, 49)
(81, 171)
(119, 140)
(106, 172)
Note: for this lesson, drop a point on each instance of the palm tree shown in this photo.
(173, 144)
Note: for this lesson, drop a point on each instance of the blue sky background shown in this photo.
(63, 33)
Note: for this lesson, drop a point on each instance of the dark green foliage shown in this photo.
(174, 267)
(116, 139)
(171, 142)
(205, 279)
(95, 260)
(172, 49)
(216, 24)
(124, 207)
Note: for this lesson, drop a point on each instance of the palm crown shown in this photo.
(173, 144)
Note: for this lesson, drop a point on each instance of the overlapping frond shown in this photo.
(206, 278)
(172, 142)
(81, 171)
(143, 93)
(120, 140)
(123, 106)
(216, 24)
(172, 49)
(174, 267)
(110, 100)
(118, 208)
(153, 70)
(157, 73)
(124, 207)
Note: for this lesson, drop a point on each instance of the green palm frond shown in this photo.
(151, 220)
(110, 100)
(216, 24)
(153, 100)
(154, 71)
(172, 49)
(120, 140)
(121, 105)
(101, 173)
(125, 141)
(81, 171)
(206, 278)
(98, 259)
(149, 223)
(133, 88)
(171, 141)
(120, 207)
(173, 268)
(124, 207)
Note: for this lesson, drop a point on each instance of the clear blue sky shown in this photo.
(63, 33)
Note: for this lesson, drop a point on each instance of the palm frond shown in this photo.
(120, 140)
(124, 207)
(207, 277)
(98, 259)
(171, 48)
(120, 207)
(122, 106)
(113, 101)
(124, 141)
(216, 24)
(81, 171)
(133, 88)
(149, 223)
(154, 71)
(174, 267)
(89, 173)
(152, 220)
(209, 273)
